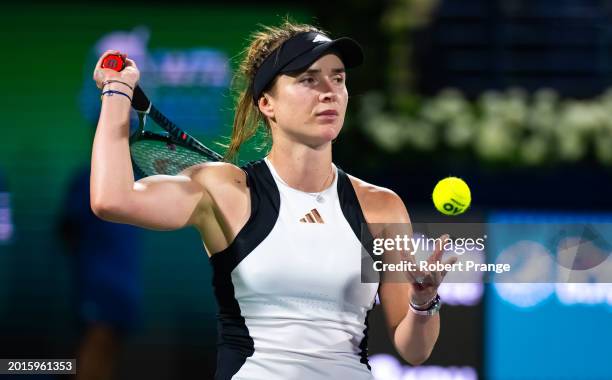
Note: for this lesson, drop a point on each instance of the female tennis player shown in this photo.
(283, 232)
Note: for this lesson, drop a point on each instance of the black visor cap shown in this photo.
(349, 51)
(299, 52)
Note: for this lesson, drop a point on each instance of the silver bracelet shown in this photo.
(426, 303)
(433, 309)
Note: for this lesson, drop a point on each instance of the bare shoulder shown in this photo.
(224, 206)
(212, 175)
(223, 188)
(379, 204)
(201, 177)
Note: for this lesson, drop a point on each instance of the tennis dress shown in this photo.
(291, 302)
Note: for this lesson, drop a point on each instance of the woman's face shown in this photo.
(309, 106)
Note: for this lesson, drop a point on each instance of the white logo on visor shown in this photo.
(321, 38)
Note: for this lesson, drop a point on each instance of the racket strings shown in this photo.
(153, 156)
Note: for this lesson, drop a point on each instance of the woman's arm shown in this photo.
(157, 202)
(413, 336)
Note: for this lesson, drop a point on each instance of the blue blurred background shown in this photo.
(511, 95)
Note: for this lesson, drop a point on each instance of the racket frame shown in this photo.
(144, 107)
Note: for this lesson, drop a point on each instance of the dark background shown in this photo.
(472, 45)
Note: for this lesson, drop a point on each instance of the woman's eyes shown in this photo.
(310, 80)
(307, 80)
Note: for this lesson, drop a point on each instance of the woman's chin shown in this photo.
(329, 132)
(320, 134)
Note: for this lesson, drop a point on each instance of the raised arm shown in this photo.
(157, 202)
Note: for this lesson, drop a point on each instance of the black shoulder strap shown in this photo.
(350, 203)
(265, 206)
(351, 208)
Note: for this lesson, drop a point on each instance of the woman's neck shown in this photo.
(302, 167)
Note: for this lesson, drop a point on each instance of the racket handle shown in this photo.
(113, 62)
(140, 102)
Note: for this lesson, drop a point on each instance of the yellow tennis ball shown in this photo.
(452, 196)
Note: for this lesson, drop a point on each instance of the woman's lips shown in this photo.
(328, 113)
(328, 116)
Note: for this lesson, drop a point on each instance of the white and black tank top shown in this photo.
(291, 302)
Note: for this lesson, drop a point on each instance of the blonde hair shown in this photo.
(248, 118)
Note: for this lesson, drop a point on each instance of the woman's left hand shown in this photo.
(425, 283)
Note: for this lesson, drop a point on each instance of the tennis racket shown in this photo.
(160, 153)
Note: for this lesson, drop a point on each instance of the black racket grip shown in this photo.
(140, 102)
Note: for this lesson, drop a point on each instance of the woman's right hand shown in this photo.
(130, 74)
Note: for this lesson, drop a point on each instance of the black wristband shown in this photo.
(113, 92)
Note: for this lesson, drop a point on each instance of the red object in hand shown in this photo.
(113, 62)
